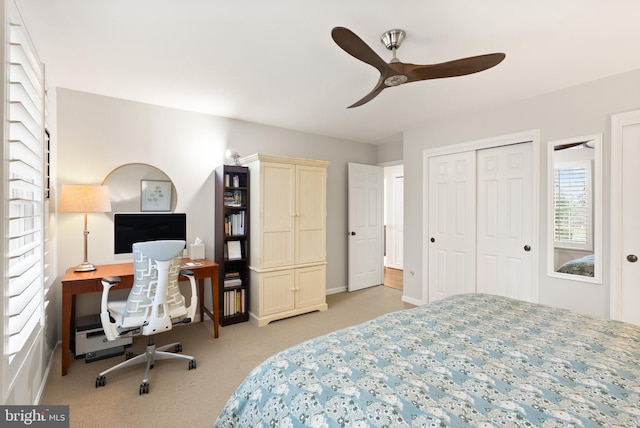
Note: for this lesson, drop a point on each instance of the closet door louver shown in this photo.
(23, 195)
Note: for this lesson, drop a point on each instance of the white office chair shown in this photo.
(154, 305)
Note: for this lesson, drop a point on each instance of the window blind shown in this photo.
(23, 200)
(572, 210)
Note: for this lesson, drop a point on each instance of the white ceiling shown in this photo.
(274, 62)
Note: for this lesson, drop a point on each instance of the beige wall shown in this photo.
(576, 111)
(96, 134)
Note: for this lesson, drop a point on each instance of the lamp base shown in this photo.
(85, 267)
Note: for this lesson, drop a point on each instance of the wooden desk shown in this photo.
(74, 283)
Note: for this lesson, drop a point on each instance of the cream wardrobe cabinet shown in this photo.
(288, 236)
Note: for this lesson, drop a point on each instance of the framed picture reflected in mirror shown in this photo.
(155, 195)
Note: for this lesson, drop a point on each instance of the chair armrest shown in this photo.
(112, 280)
(108, 326)
(193, 304)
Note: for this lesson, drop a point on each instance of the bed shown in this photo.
(580, 266)
(470, 359)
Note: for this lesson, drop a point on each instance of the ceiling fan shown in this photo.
(396, 72)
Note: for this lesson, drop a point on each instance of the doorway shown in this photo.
(625, 204)
(393, 225)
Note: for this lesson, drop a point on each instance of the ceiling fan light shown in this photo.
(396, 80)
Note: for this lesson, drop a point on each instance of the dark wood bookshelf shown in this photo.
(232, 242)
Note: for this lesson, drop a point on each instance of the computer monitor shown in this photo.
(139, 227)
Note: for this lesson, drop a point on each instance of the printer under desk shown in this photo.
(92, 343)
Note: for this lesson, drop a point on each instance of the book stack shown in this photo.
(234, 302)
(232, 279)
(233, 198)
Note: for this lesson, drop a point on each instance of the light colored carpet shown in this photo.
(179, 397)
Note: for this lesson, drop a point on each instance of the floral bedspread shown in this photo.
(583, 266)
(470, 359)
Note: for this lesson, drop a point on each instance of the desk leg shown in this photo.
(201, 298)
(214, 297)
(213, 314)
(67, 306)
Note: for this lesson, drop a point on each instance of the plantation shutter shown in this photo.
(23, 194)
(572, 211)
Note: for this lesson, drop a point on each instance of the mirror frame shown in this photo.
(146, 170)
(596, 203)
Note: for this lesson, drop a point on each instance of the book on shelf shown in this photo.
(234, 302)
(232, 282)
(234, 224)
(233, 198)
(234, 251)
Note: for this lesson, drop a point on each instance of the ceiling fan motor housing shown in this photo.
(392, 39)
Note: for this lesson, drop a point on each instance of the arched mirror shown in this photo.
(135, 187)
(575, 208)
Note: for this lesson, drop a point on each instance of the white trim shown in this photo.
(335, 290)
(532, 136)
(618, 122)
(412, 301)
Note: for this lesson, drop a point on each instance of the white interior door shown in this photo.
(366, 229)
(452, 224)
(394, 216)
(625, 221)
(505, 198)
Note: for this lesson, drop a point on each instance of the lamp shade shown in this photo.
(84, 198)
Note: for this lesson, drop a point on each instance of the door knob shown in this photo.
(632, 258)
(432, 239)
(353, 234)
(527, 247)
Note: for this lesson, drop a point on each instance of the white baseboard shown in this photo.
(412, 301)
(336, 290)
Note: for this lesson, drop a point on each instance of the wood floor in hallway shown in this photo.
(393, 278)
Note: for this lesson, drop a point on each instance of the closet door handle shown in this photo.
(527, 247)
(632, 258)
(353, 234)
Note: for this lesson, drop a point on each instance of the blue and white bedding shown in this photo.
(470, 359)
(581, 266)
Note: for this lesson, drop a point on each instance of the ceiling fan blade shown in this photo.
(371, 95)
(457, 67)
(570, 145)
(354, 46)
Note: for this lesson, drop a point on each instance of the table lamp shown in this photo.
(84, 198)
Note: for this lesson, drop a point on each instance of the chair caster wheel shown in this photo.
(101, 381)
(144, 388)
(178, 347)
(192, 364)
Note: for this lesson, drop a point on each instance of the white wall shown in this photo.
(97, 134)
(581, 110)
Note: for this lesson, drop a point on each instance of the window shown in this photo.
(23, 194)
(572, 207)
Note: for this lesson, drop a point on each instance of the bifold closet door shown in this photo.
(505, 210)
